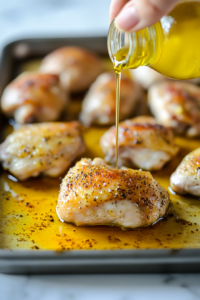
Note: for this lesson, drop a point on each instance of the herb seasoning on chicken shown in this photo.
(93, 193)
(143, 143)
(46, 148)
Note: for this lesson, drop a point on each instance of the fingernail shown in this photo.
(127, 18)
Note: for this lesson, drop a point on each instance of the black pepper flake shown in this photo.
(45, 139)
(123, 196)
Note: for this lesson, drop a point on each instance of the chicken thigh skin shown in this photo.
(143, 143)
(34, 97)
(76, 67)
(99, 105)
(93, 193)
(186, 178)
(46, 148)
(176, 105)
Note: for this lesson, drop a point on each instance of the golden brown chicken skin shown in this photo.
(99, 105)
(77, 67)
(177, 105)
(46, 148)
(186, 178)
(93, 193)
(34, 97)
(143, 143)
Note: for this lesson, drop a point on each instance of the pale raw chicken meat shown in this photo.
(176, 105)
(143, 143)
(77, 67)
(186, 178)
(146, 76)
(99, 104)
(34, 97)
(46, 148)
(93, 193)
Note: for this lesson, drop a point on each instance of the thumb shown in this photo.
(138, 14)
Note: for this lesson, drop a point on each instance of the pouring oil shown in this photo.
(118, 79)
(170, 47)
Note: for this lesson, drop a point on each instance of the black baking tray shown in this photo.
(82, 261)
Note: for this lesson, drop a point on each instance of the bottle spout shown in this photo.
(129, 50)
(119, 46)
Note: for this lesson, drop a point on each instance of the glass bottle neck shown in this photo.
(131, 50)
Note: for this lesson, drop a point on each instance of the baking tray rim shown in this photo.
(107, 254)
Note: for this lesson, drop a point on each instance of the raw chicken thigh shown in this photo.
(47, 148)
(99, 105)
(186, 178)
(177, 105)
(77, 67)
(34, 97)
(93, 193)
(143, 143)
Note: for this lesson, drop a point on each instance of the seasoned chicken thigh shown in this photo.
(34, 97)
(93, 193)
(143, 143)
(46, 148)
(99, 104)
(186, 178)
(77, 67)
(177, 105)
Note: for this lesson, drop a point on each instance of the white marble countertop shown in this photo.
(98, 287)
(33, 18)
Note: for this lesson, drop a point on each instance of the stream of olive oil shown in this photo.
(118, 80)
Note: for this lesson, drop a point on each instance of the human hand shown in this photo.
(133, 15)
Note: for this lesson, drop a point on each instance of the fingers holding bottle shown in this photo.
(137, 14)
